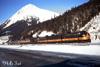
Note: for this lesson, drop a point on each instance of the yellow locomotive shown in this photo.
(78, 37)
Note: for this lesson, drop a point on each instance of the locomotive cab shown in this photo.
(85, 36)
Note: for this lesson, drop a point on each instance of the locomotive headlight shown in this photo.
(84, 38)
(83, 35)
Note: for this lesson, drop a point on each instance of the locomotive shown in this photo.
(78, 37)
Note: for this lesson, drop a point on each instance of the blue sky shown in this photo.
(9, 7)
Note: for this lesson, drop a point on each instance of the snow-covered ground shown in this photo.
(85, 49)
(4, 39)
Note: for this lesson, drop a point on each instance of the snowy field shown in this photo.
(82, 48)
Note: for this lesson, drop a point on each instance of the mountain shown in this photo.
(31, 11)
(29, 15)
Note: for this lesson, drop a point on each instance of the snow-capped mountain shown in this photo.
(31, 11)
(93, 27)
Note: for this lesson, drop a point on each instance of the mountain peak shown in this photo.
(30, 6)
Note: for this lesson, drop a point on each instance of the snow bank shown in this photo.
(4, 39)
(75, 49)
(45, 33)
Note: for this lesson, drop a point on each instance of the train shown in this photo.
(76, 37)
